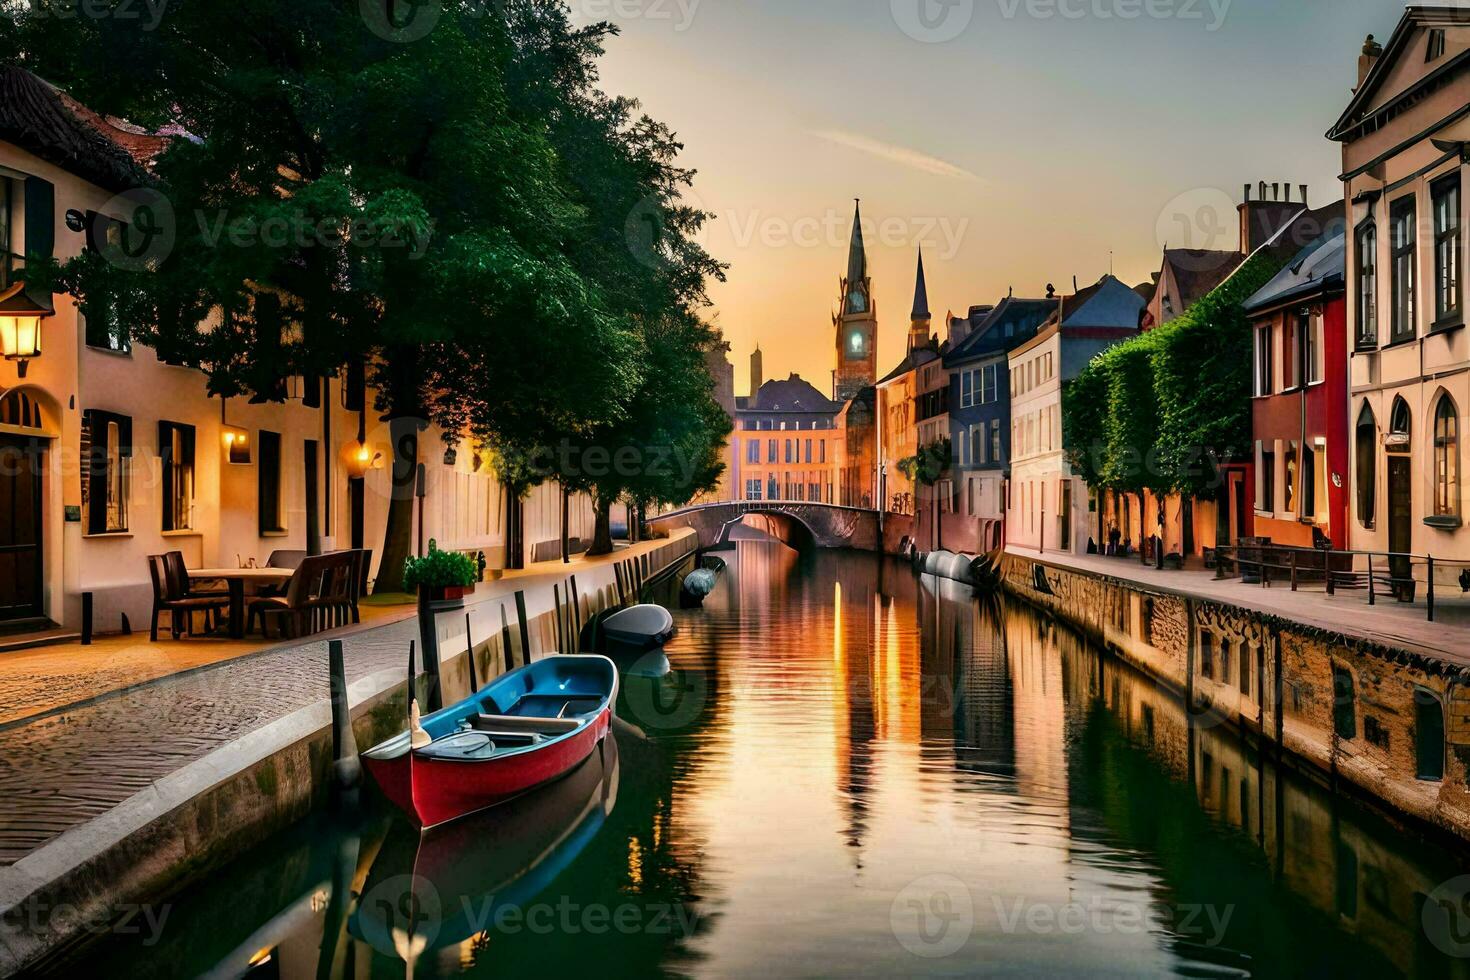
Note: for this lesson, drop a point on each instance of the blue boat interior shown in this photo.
(522, 710)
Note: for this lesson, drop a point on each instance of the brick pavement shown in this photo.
(75, 762)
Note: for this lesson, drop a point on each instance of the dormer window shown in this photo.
(1436, 45)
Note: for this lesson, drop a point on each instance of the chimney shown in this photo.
(1247, 197)
(1286, 192)
(1263, 190)
(1304, 194)
(1371, 52)
(1051, 291)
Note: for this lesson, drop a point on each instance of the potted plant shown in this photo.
(441, 575)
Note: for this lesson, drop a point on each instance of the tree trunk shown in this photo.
(602, 543)
(398, 534)
(515, 545)
(566, 544)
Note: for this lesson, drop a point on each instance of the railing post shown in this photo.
(1372, 592)
(1219, 564)
(1430, 588)
(1293, 570)
(1327, 570)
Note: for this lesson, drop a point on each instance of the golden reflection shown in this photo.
(635, 863)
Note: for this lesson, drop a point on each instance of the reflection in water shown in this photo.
(848, 769)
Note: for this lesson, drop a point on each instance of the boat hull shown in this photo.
(435, 786)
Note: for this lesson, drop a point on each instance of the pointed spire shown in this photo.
(921, 292)
(857, 254)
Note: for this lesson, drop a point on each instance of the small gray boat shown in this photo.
(645, 627)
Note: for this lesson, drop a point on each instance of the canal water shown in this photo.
(844, 769)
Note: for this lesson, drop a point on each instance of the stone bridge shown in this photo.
(798, 524)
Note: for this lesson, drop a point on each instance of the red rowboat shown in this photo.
(529, 727)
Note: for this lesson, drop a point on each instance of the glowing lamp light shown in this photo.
(237, 443)
(358, 458)
(20, 326)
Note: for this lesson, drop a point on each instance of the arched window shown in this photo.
(1400, 420)
(1366, 449)
(1446, 459)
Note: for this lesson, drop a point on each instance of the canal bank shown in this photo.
(113, 802)
(1364, 696)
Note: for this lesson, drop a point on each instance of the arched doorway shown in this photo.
(1399, 446)
(23, 433)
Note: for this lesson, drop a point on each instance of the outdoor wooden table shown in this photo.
(236, 579)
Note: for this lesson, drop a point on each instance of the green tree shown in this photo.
(343, 194)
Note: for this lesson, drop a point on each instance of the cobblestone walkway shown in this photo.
(66, 768)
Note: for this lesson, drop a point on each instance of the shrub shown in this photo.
(440, 569)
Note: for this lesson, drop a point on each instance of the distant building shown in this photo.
(789, 445)
(1048, 505)
(1405, 145)
(979, 375)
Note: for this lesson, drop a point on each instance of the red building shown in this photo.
(1300, 410)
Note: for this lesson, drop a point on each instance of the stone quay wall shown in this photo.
(1358, 712)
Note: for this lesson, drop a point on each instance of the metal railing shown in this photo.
(1397, 575)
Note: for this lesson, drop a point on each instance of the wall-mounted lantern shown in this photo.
(20, 326)
(236, 442)
(358, 458)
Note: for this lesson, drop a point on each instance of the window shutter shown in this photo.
(96, 426)
(40, 217)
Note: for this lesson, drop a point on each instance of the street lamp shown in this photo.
(20, 326)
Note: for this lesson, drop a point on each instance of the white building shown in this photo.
(1047, 506)
(110, 455)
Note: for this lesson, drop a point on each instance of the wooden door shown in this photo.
(1400, 519)
(20, 527)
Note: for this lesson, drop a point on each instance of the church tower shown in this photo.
(856, 323)
(919, 319)
(757, 371)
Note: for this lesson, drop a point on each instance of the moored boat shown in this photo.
(639, 628)
(527, 728)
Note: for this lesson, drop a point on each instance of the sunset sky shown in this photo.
(1040, 136)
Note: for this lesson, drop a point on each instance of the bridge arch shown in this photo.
(799, 524)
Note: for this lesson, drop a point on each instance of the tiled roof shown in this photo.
(1320, 267)
(40, 119)
(792, 395)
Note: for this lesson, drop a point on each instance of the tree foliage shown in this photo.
(460, 207)
(1163, 410)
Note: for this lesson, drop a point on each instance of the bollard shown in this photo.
(429, 635)
(86, 619)
(1429, 589)
(346, 768)
(525, 628)
(470, 653)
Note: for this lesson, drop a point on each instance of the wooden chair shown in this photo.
(334, 602)
(293, 609)
(167, 597)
